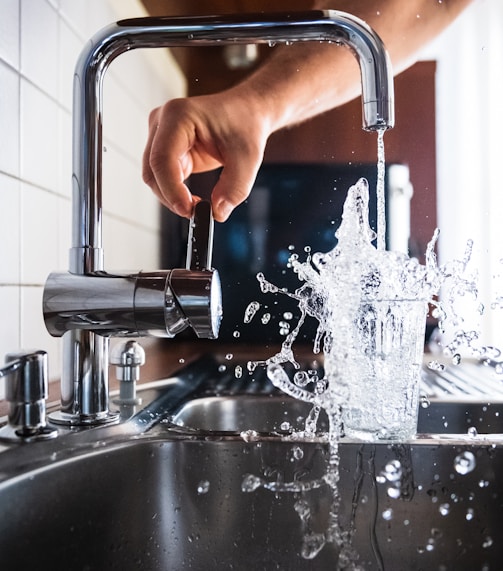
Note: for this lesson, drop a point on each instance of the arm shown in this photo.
(230, 129)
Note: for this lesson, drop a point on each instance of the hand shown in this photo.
(200, 134)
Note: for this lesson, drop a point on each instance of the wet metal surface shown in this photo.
(152, 494)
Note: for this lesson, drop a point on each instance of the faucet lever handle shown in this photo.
(200, 240)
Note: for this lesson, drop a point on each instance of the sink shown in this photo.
(165, 490)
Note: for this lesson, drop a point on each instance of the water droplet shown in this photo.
(303, 509)
(393, 471)
(297, 453)
(425, 401)
(491, 352)
(250, 483)
(203, 487)
(465, 462)
(301, 378)
(222, 368)
(430, 545)
(229, 356)
(456, 359)
(470, 514)
(288, 315)
(252, 365)
(238, 371)
(387, 514)
(266, 318)
(444, 509)
(313, 544)
(236, 334)
(394, 492)
(488, 541)
(181, 361)
(284, 328)
(472, 432)
(285, 426)
(250, 311)
(436, 366)
(249, 435)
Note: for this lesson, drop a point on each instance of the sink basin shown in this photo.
(188, 489)
(282, 415)
(165, 502)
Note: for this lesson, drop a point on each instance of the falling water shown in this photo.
(380, 190)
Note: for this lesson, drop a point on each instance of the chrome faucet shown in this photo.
(87, 305)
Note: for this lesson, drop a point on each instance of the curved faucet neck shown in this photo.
(104, 47)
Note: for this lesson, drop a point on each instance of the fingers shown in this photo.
(185, 137)
(167, 163)
(235, 183)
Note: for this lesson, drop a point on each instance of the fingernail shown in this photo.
(180, 209)
(223, 210)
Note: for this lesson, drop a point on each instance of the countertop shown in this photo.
(164, 357)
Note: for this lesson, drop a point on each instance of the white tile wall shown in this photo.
(9, 119)
(39, 43)
(39, 36)
(10, 247)
(38, 136)
(9, 32)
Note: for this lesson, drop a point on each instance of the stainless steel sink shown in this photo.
(165, 490)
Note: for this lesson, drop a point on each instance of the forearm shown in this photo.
(305, 79)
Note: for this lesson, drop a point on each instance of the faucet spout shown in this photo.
(86, 323)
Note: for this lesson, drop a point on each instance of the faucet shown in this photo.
(87, 305)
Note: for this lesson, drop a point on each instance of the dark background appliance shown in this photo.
(291, 207)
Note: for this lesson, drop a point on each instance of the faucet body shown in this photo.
(69, 307)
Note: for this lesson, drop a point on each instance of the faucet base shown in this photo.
(15, 434)
(67, 419)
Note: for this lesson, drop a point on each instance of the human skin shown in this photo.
(230, 129)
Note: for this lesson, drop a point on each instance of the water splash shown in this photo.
(364, 300)
(333, 288)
